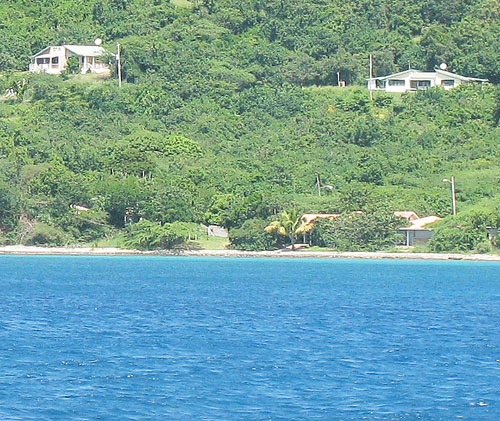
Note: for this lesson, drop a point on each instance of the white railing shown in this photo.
(34, 67)
(54, 68)
(95, 68)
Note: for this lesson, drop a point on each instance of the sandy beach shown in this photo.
(89, 251)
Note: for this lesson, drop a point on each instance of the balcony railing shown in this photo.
(34, 67)
(52, 68)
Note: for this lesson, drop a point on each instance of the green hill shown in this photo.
(226, 114)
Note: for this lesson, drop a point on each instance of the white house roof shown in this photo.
(39, 54)
(454, 75)
(86, 50)
(417, 74)
(79, 50)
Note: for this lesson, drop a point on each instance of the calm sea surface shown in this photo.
(194, 338)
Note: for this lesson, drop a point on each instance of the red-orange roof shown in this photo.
(309, 218)
(422, 223)
(408, 215)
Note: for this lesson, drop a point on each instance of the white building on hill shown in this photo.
(414, 80)
(54, 59)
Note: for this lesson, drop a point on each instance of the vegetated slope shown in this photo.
(214, 124)
(304, 42)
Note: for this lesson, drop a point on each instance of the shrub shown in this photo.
(483, 247)
(467, 231)
(251, 236)
(383, 100)
(48, 235)
(73, 66)
(147, 235)
(358, 231)
(86, 226)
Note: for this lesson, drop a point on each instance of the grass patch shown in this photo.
(117, 241)
(182, 3)
(89, 77)
(212, 243)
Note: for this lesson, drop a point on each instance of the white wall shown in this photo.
(51, 68)
(406, 87)
(439, 81)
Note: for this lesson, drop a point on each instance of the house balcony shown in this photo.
(44, 68)
(95, 68)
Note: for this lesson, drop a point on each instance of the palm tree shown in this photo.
(289, 224)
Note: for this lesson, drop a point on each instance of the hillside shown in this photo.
(226, 115)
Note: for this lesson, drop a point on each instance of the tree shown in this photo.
(252, 236)
(369, 231)
(73, 66)
(150, 235)
(468, 230)
(289, 224)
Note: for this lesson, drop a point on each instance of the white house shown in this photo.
(414, 80)
(54, 59)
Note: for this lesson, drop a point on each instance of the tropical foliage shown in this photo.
(289, 224)
(227, 114)
(469, 230)
(150, 235)
(359, 231)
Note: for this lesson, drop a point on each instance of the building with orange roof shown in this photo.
(418, 232)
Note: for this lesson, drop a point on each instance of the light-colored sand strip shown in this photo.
(343, 255)
(31, 250)
(18, 249)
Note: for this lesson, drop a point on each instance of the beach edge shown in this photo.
(95, 251)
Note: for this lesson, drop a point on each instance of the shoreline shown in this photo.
(90, 251)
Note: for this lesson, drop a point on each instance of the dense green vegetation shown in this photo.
(226, 117)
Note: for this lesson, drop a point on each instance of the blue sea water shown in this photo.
(134, 338)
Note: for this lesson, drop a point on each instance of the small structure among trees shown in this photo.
(85, 59)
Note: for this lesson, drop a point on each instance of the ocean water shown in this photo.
(135, 338)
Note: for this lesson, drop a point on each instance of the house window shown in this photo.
(55, 60)
(43, 60)
(396, 82)
(420, 84)
(448, 82)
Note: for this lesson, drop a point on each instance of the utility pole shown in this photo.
(119, 64)
(453, 195)
(371, 76)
